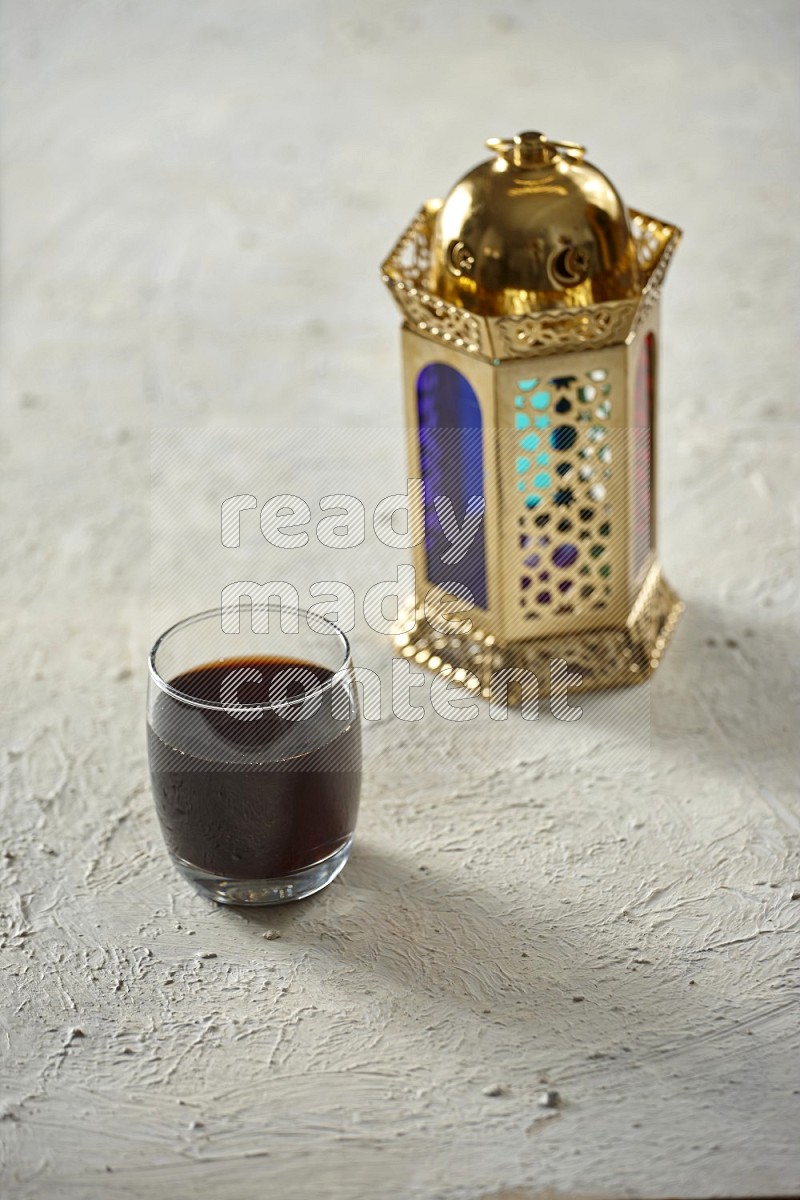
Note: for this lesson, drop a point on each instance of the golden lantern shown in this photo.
(530, 299)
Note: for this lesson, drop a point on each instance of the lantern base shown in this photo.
(604, 658)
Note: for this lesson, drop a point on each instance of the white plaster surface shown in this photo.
(196, 197)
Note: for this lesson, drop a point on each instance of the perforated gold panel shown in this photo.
(563, 453)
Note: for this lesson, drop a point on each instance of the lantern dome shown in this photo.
(536, 227)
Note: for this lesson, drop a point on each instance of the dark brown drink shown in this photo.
(260, 790)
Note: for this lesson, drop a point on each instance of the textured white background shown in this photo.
(196, 197)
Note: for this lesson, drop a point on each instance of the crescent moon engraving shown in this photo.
(568, 267)
(460, 259)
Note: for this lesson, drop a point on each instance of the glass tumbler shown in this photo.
(254, 742)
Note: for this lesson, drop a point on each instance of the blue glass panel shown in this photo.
(451, 460)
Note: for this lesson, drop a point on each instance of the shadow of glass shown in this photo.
(442, 946)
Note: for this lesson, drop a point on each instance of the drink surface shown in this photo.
(254, 793)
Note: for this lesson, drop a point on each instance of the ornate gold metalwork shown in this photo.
(656, 243)
(565, 396)
(604, 658)
(572, 328)
(406, 272)
(566, 558)
(442, 321)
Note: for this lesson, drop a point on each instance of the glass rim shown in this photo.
(259, 706)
